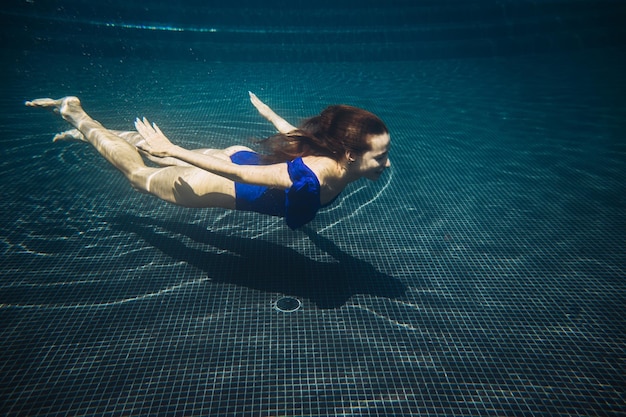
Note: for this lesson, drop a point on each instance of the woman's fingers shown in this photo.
(146, 131)
(141, 127)
(255, 100)
(260, 106)
(155, 142)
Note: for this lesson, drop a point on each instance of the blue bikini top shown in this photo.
(298, 204)
(303, 197)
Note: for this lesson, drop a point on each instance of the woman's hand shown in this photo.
(260, 106)
(281, 124)
(155, 142)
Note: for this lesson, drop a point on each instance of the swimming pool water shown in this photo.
(482, 275)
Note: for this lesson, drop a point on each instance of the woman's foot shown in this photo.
(69, 135)
(68, 107)
(46, 103)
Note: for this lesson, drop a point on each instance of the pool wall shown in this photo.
(318, 32)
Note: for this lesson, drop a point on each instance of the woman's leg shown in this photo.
(134, 137)
(184, 185)
(129, 136)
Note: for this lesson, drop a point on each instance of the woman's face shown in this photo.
(372, 164)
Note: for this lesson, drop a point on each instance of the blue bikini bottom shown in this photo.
(257, 198)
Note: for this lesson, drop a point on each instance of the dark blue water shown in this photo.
(482, 275)
(297, 31)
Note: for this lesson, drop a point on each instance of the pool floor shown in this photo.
(482, 275)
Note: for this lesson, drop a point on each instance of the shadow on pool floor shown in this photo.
(267, 266)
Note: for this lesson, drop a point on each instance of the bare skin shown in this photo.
(132, 137)
(179, 183)
(206, 177)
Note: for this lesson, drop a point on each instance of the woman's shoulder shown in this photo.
(327, 172)
(322, 166)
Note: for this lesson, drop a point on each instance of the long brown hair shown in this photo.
(339, 128)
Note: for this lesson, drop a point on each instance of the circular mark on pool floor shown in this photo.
(288, 304)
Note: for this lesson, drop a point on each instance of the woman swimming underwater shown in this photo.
(304, 168)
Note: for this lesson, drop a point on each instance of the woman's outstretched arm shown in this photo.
(157, 144)
(281, 124)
